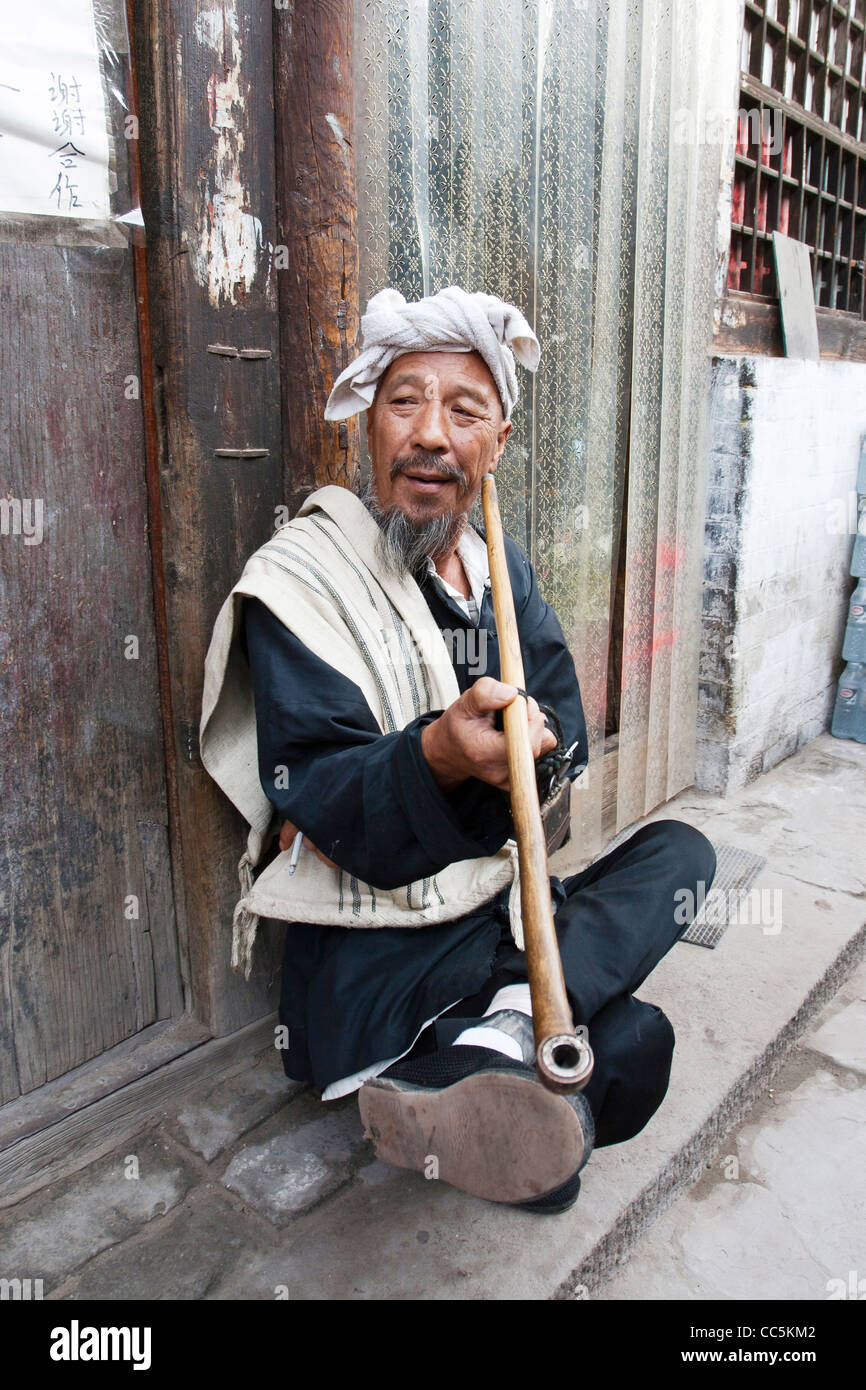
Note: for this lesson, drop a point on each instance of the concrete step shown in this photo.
(781, 1211)
(737, 1011)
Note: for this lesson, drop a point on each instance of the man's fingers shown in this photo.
(308, 844)
(287, 838)
(287, 834)
(488, 694)
(543, 738)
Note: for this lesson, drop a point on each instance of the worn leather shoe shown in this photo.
(483, 1123)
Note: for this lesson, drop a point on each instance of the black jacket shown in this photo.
(369, 801)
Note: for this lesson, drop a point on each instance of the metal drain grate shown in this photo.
(736, 871)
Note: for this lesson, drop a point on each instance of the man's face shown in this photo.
(434, 429)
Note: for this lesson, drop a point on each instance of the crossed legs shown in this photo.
(491, 1127)
(615, 921)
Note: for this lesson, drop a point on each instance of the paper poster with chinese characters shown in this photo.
(53, 128)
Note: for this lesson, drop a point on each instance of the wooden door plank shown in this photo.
(129, 1061)
(83, 749)
(90, 1132)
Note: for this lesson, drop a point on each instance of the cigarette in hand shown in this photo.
(296, 851)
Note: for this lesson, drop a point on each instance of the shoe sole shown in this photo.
(493, 1134)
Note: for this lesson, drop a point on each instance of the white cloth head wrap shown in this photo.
(450, 321)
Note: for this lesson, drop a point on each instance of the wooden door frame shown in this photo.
(298, 315)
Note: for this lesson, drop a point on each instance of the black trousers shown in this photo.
(615, 921)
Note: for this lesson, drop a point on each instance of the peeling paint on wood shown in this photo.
(229, 236)
(341, 139)
(215, 511)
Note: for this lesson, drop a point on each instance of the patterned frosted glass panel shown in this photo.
(476, 149)
(685, 52)
(500, 146)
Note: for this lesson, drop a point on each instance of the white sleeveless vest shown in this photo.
(320, 576)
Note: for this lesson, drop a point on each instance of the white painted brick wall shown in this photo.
(783, 445)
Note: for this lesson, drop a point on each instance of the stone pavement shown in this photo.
(780, 1212)
(251, 1188)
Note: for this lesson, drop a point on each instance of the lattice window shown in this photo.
(800, 164)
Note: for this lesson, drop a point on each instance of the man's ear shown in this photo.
(501, 437)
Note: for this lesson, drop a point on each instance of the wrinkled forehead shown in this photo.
(450, 369)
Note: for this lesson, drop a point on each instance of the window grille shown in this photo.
(800, 164)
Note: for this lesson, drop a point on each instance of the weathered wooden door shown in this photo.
(88, 947)
(160, 452)
(89, 951)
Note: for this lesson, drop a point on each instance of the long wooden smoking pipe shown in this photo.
(563, 1060)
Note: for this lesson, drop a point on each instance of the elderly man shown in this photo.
(351, 698)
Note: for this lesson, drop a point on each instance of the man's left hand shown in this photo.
(287, 835)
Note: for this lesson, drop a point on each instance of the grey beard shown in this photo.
(403, 545)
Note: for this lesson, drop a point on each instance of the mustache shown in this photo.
(403, 544)
(422, 462)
